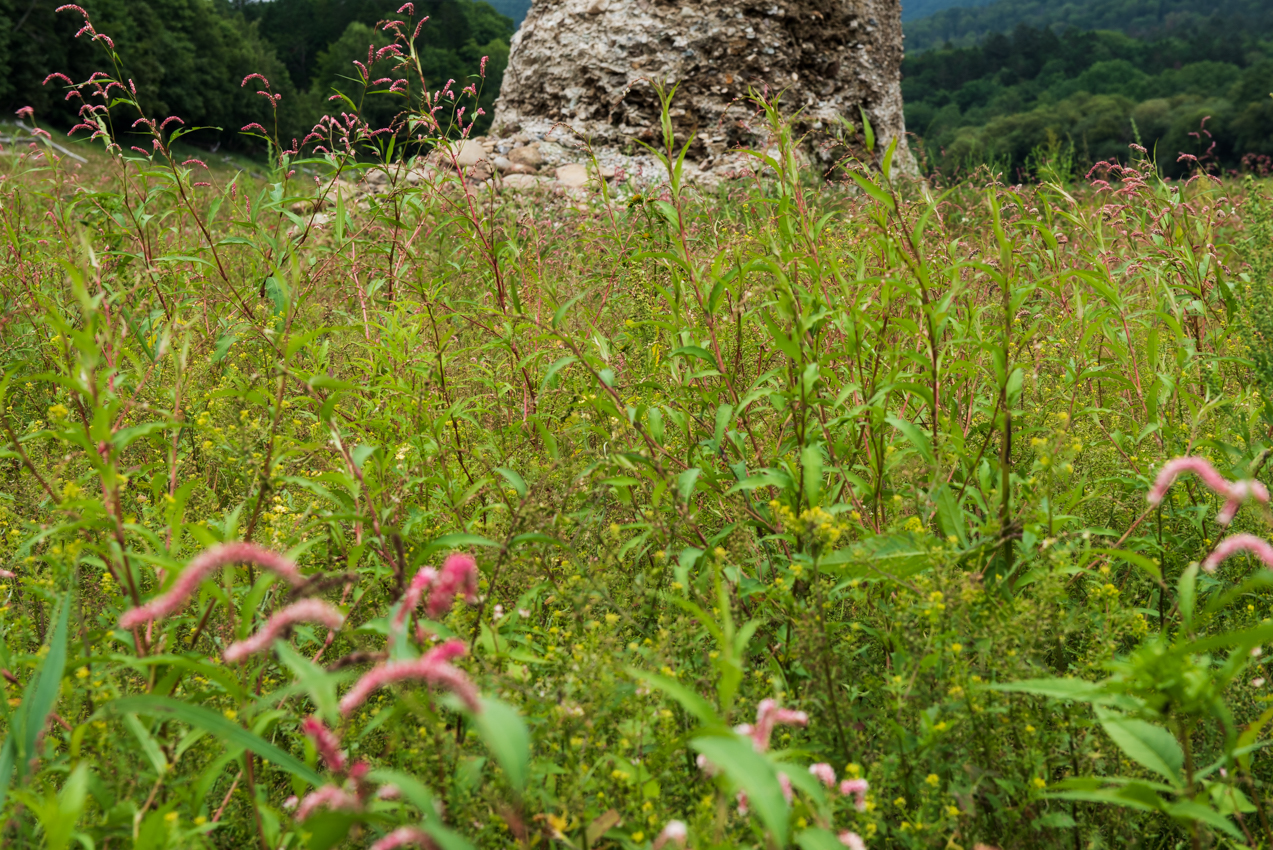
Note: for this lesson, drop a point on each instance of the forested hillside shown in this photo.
(189, 57)
(913, 10)
(1087, 94)
(934, 23)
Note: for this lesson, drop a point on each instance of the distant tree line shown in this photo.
(189, 57)
(969, 23)
(1090, 94)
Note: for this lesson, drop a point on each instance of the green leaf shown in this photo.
(514, 480)
(43, 690)
(737, 758)
(457, 540)
(1187, 596)
(689, 700)
(327, 829)
(685, 482)
(1074, 689)
(811, 464)
(818, 839)
(867, 185)
(6, 768)
(216, 724)
(504, 733)
(1189, 811)
(317, 682)
(1140, 562)
(1150, 746)
(148, 744)
(917, 438)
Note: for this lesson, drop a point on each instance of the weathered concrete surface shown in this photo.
(586, 63)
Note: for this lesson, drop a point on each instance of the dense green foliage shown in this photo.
(1087, 95)
(967, 24)
(872, 455)
(189, 57)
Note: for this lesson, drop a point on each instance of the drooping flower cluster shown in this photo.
(304, 611)
(768, 715)
(1230, 546)
(433, 668)
(1234, 493)
(458, 576)
(352, 792)
(204, 565)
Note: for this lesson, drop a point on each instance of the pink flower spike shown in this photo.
(7, 574)
(415, 591)
(1199, 466)
(1239, 492)
(405, 836)
(326, 742)
(458, 577)
(254, 126)
(675, 833)
(1230, 546)
(304, 611)
(768, 715)
(787, 793)
(432, 668)
(824, 773)
(58, 76)
(330, 797)
(26, 112)
(407, 9)
(204, 565)
(73, 8)
(857, 789)
(852, 840)
(260, 77)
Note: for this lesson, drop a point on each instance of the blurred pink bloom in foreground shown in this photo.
(1230, 546)
(1234, 493)
(326, 742)
(204, 564)
(675, 832)
(405, 836)
(304, 611)
(857, 789)
(824, 772)
(432, 668)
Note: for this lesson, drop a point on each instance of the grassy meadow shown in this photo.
(806, 511)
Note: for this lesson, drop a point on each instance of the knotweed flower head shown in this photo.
(458, 577)
(415, 591)
(1230, 546)
(26, 112)
(432, 668)
(327, 797)
(857, 789)
(785, 782)
(206, 563)
(326, 742)
(824, 773)
(304, 611)
(674, 833)
(852, 840)
(768, 715)
(1239, 492)
(1233, 492)
(405, 836)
